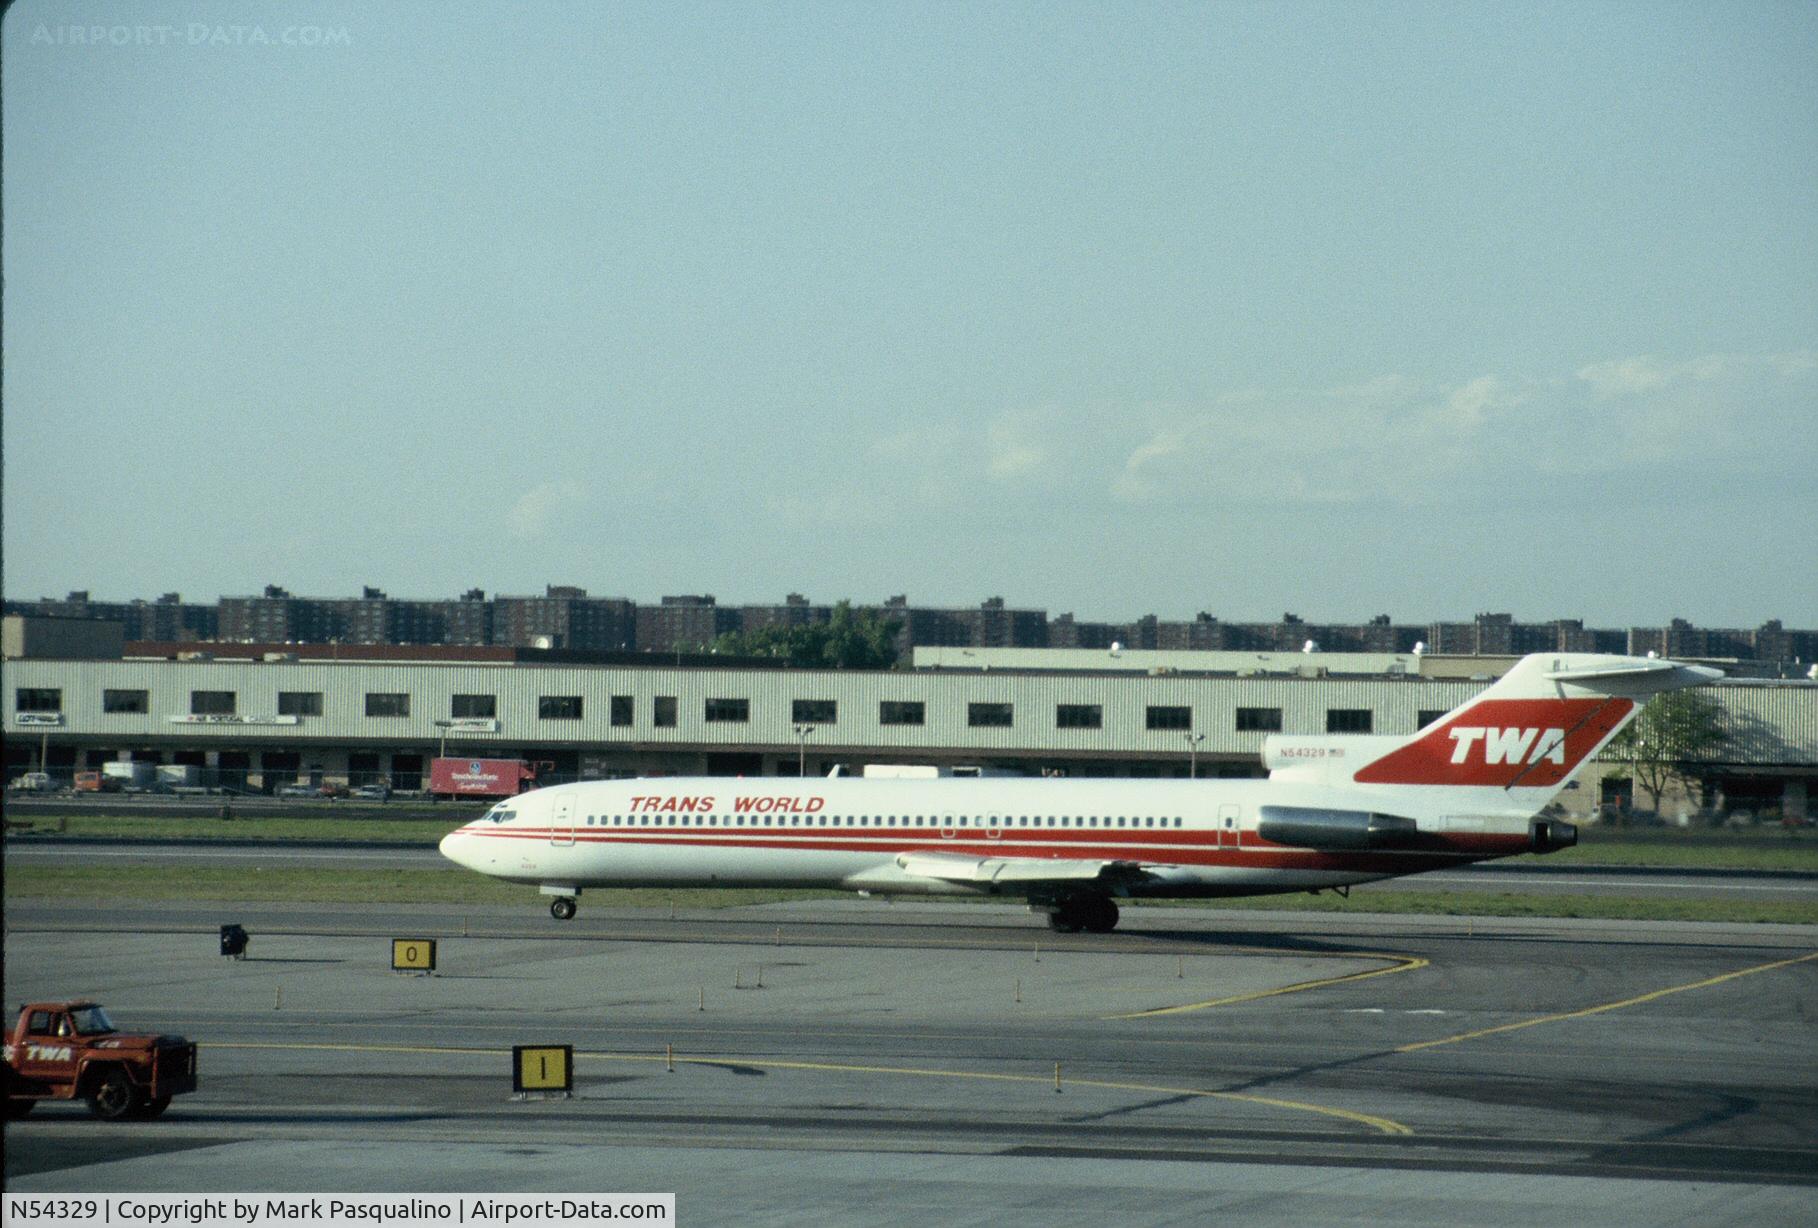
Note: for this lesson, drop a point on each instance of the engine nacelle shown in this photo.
(1313, 828)
(1551, 835)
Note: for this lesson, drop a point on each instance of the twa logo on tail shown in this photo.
(1508, 745)
(1525, 743)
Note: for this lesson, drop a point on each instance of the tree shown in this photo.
(1674, 735)
(849, 640)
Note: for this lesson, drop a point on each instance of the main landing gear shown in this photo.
(1096, 914)
(562, 908)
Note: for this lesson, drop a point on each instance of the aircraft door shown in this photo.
(48, 1054)
(561, 820)
(947, 824)
(1229, 835)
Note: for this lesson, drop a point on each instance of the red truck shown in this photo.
(70, 1050)
(481, 777)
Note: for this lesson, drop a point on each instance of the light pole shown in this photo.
(1193, 741)
(801, 733)
(444, 726)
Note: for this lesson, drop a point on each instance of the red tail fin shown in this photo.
(1531, 743)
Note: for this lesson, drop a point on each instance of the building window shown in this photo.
(901, 712)
(299, 703)
(1079, 716)
(1170, 718)
(559, 708)
(482, 707)
(126, 701)
(815, 712)
(1259, 720)
(664, 712)
(1348, 720)
(387, 703)
(211, 703)
(39, 699)
(621, 709)
(990, 716)
(1430, 716)
(737, 711)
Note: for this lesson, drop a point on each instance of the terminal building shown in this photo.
(258, 716)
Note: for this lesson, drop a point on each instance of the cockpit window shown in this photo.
(502, 815)
(91, 1021)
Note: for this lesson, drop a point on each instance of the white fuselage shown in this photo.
(1193, 837)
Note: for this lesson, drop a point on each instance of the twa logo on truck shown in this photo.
(1530, 743)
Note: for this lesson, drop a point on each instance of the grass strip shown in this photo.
(454, 886)
(426, 832)
(1686, 850)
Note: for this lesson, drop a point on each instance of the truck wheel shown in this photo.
(114, 1097)
(151, 1108)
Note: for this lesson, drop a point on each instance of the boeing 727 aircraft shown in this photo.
(1334, 811)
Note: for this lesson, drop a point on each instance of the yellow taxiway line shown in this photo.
(1403, 963)
(1381, 1124)
(1607, 1006)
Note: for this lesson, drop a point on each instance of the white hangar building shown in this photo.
(257, 716)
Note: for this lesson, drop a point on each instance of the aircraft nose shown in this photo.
(452, 847)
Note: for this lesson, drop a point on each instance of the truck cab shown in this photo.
(72, 1050)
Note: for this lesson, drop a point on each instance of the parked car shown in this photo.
(372, 793)
(298, 790)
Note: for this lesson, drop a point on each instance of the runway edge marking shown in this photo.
(1382, 1125)
(1607, 1006)
(1403, 963)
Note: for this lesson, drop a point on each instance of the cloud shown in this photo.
(1388, 438)
(1646, 373)
(1016, 447)
(1393, 438)
(531, 515)
(1013, 447)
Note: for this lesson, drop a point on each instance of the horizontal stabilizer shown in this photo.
(1628, 670)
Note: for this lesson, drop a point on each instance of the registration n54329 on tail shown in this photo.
(1333, 811)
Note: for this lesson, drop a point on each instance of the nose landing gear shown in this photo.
(562, 908)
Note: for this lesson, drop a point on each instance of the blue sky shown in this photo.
(1117, 308)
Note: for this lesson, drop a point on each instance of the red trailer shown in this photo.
(481, 777)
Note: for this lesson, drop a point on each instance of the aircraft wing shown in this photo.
(958, 868)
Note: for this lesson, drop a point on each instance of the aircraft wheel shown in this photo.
(562, 908)
(1101, 916)
(1066, 917)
